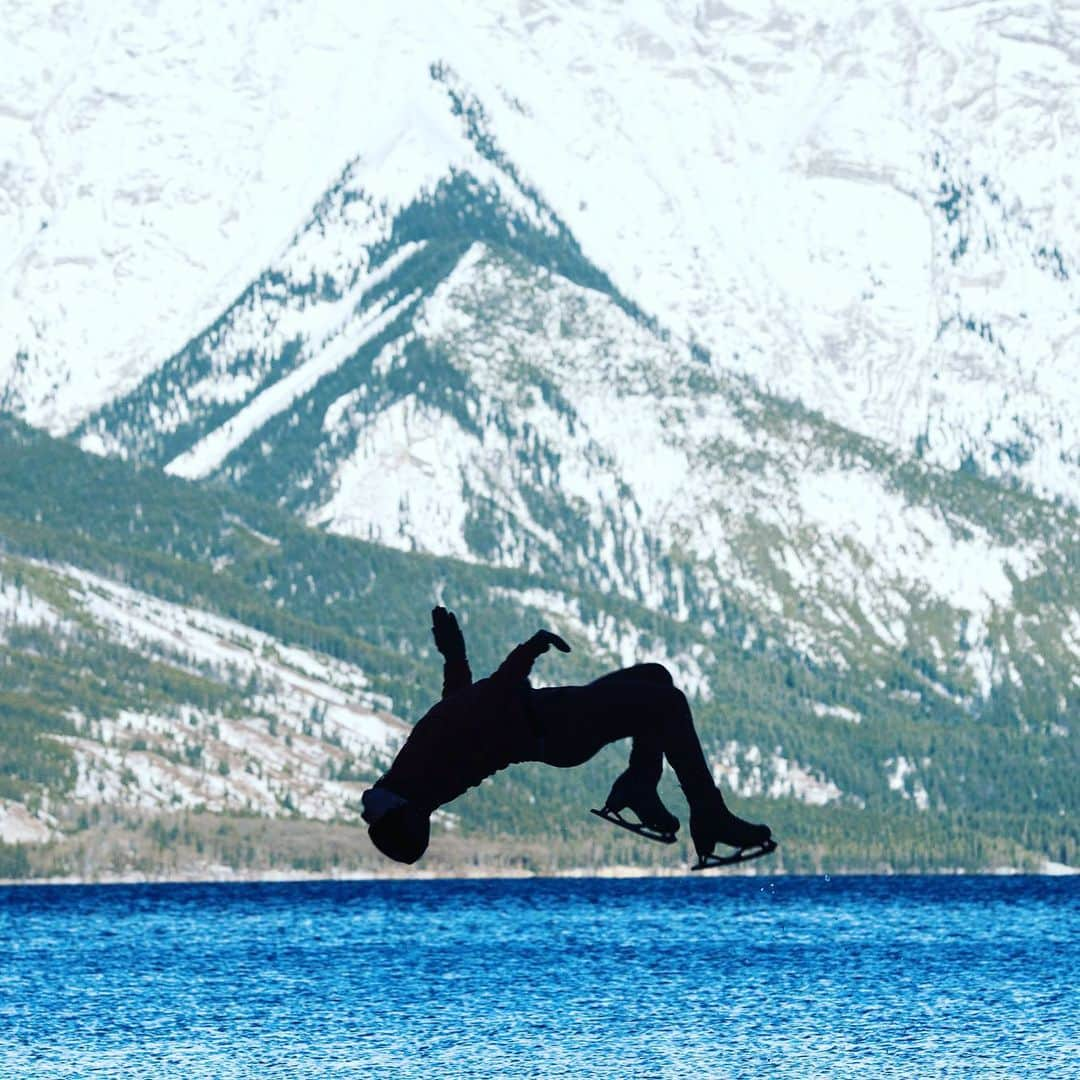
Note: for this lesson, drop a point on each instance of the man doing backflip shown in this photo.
(478, 728)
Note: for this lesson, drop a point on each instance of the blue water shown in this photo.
(678, 977)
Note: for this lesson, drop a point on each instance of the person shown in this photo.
(481, 727)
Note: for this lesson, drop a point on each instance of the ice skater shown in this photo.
(478, 728)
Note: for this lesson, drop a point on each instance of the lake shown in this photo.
(702, 976)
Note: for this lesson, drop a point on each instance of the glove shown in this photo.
(542, 640)
(447, 634)
(518, 664)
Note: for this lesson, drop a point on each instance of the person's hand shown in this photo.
(542, 640)
(447, 634)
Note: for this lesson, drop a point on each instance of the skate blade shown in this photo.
(635, 827)
(753, 851)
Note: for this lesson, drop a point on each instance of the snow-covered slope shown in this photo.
(292, 732)
(866, 209)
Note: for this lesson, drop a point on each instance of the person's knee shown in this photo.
(661, 700)
(676, 703)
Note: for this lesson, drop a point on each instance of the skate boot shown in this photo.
(654, 820)
(715, 824)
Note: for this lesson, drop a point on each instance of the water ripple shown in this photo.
(675, 977)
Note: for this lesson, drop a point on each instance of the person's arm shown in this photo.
(450, 641)
(516, 667)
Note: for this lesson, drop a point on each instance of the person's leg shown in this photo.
(646, 764)
(637, 703)
(579, 721)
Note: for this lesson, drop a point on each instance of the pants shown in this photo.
(640, 703)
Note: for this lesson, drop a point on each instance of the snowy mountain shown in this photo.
(460, 379)
(868, 210)
(739, 340)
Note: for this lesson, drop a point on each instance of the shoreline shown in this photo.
(222, 876)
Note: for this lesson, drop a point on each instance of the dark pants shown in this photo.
(640, 703)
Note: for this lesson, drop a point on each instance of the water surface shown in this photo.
(695, 977)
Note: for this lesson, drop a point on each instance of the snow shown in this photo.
(300, 678)
(621, 641)
(1057, 869)
(420, 452)
(840, 712)
(759, 179)
(749, 773)
(914, 542)
(897, 779)
(210, 452)
(19, 826)
(904, 544)
(321, 707)
(402, 485)
(633, 436)
(263, 771)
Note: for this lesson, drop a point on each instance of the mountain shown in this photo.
(474, 386)
(867, 210)
(170, 649)
(737, 342)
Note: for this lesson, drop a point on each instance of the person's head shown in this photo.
(402, 834)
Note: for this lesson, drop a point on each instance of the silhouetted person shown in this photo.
(481, 727)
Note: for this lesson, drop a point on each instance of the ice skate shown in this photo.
(718, 825)
(655, 821)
